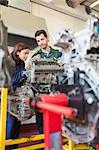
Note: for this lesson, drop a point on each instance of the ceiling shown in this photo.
(83, 2)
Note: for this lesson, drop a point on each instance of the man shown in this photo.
(45, 52)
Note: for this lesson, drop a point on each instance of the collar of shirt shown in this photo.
(46, 51)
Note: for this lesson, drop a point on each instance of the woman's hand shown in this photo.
(27, 66)
(37, 57)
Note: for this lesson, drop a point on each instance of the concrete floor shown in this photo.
(28, 130)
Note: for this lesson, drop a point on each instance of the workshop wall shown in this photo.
(56, 20)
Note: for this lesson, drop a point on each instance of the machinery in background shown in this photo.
(6, 62)
(93, 50)
(84, 80)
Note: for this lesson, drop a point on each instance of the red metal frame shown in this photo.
(53, 107)
(97, 147)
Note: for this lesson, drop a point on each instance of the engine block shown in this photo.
(46, 71)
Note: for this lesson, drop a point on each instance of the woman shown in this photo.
(19, 55)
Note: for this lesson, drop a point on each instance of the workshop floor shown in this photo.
(27, 130)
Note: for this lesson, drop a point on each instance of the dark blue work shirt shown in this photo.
(18, 75)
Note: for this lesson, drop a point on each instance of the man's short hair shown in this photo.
(39, 32)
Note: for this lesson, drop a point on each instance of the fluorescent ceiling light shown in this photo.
(94, 4)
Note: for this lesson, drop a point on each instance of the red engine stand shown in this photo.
(97, 147)
(53, 107)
